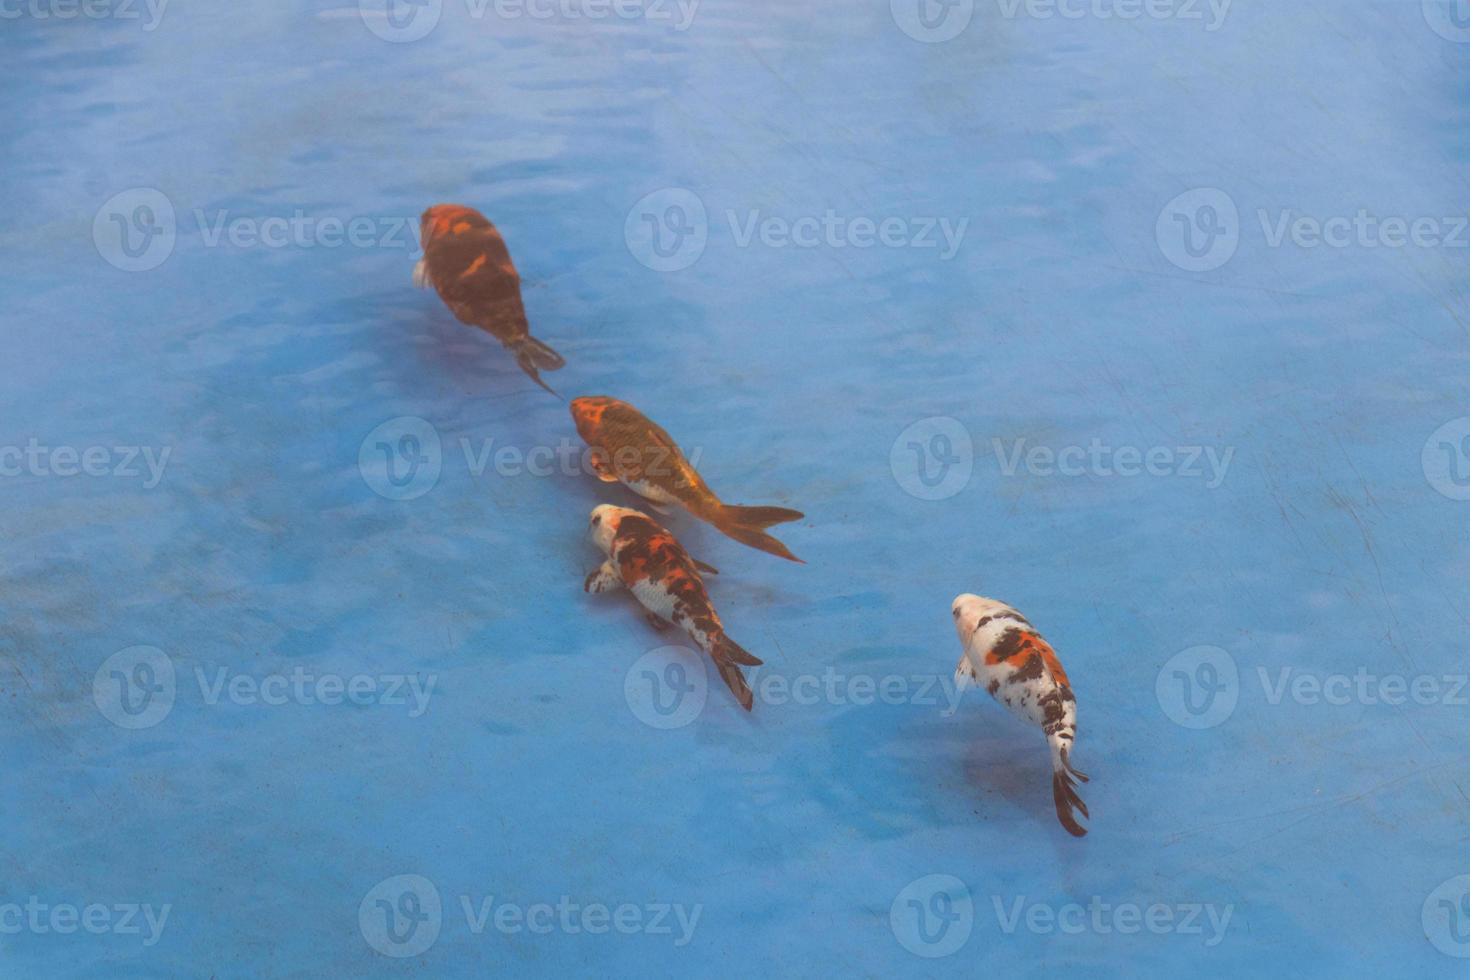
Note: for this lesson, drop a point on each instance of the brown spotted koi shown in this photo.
(627, 447)
(467, 263)
(650, 563)
(1020, 670)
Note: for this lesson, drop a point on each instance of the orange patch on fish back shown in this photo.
(1049, 657)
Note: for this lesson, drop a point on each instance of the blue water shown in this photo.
(271, 542)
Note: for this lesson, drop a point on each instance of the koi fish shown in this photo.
(1020, 670)
(629, 448)
(467, 263)
(650, 563)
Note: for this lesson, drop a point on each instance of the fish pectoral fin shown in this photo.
(421, 274)
(600, 467)
(964, 673)
(657, 622)
(604, 579)
(707, 569)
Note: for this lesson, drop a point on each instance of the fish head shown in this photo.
(968, 609)
(587, 413)
(602, 526)
(444, 219)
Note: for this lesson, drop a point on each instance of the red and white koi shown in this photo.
(1003, 652)
(650, 563)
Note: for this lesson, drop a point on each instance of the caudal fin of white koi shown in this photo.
(729, 656)
(1064, 787)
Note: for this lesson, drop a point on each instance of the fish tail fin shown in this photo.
(747, 525)
(729, 656)
(541, 354)
(1064, 787)
(534, 357)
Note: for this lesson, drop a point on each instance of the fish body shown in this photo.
(629, 448)
(467, 263)
(1005, 654)
(650, 563)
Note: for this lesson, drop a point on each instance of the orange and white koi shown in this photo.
(650, 563)
(1004, 652)
(629, 448)
(467, 263)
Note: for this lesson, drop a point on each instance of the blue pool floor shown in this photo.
(278, 701)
